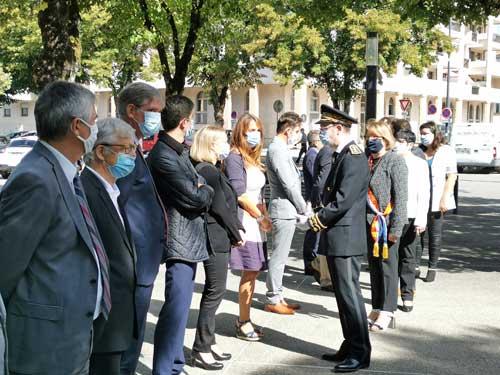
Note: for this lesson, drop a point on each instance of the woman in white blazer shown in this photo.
(442, 161)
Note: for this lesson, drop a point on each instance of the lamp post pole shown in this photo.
(371, 75)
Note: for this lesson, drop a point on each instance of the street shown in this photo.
(454, 328)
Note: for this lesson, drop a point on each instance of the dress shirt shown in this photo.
(419, 189)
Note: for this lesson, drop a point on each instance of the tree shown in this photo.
(5, 82)
(114, 46)
(173, 27)
(59, 22)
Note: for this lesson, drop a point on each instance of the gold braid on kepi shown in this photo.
(316, 224)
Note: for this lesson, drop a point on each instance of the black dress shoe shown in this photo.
(350, 365)
(335, 357)
(222, 356)
(197, 361)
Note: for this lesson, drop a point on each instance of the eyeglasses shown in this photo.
(128, 149)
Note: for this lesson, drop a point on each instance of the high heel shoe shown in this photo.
(249, 334)
(198, 361)
(385, 320)
(372, 317)
(220, 356)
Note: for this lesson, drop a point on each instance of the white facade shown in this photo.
(474, 91)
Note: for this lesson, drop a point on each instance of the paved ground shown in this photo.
(454, 329)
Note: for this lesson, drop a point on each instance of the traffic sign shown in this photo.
(446, 113)
(432, 109)
(278, 106)
(234, 115)
(404, 103)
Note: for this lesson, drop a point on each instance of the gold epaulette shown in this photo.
(316, 224)
(355, 150)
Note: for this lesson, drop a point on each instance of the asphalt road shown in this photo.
(454, 328)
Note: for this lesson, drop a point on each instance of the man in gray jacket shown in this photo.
(286, 203)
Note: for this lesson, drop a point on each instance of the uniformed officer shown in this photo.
(343, 238)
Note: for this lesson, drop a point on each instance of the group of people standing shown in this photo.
(87, 220)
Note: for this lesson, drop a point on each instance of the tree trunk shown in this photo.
(61, 52)
(218, 100)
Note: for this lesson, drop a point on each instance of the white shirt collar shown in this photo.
(67, 166)
(112, 190)
(343, 145)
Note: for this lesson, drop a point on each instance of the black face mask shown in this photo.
(374, 146)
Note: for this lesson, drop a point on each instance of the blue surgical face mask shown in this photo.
(151, 124)
(224, 151)
(191, 130)
(89, 143)
(123, 167)
(374, 146)
(253, 138)
(323, 135)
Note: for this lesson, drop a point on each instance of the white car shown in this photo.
(12, 155)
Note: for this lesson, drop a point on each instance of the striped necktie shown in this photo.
(98, 248)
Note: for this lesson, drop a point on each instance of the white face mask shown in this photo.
(89, 143)
(293, 139)
(224, 151)
(427, 139)
(401, 147)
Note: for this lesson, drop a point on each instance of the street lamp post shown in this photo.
(371, 74)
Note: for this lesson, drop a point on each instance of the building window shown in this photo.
(390, 110)
(201, 108)
(497, 108)
(6, 111)
(478, 113)
(110, 106)
(430, 74)
(24, 111)
(362, 112)
(246, 109)
(470, 114)
(314, 108)
(292, 100)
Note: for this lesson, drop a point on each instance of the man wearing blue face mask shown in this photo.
(112, 158)
(140, 104)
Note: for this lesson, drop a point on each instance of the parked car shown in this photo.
(12, 155)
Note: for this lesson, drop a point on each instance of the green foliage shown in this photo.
(5, 82)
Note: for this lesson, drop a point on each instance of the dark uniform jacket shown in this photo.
(115, 334)
(186, 203)
(342, 220)
(3, 339)
(322, 166)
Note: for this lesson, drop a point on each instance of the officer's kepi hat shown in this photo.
(330, 115)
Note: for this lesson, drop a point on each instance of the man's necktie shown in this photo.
(98, 248)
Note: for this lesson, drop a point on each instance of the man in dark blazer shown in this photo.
(341, 222)
(52, 269)
(111, 159)
(140, 104)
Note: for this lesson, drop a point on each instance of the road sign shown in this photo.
(303, 117)
(432, 109)
(446, 113)
(234, 115)
(278, 106)
(404, 103)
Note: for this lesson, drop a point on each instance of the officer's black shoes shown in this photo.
(351, 365)
(417, 273)
(335, 357)
(431, 275)
(407, 306)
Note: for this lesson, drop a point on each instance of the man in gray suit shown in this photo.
(286, 203)
(53, 275)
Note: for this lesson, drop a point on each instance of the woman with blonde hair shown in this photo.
(244, 169)
(386, 217)
(208, 150)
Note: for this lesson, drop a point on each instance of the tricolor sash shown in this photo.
(378, 227)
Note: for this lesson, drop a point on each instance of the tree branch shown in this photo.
(175, 34)
(162, 51)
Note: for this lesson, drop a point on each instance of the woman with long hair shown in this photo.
(386, 217)
(245, 171)
(209, 149)
(442, 161)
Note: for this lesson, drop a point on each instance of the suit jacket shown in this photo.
(222, 219)
(322, 165)
(308, 171)
(3, 340)
(146, 218)
(284, 181)
(344, 200)
(116, 333)
(48, 273)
